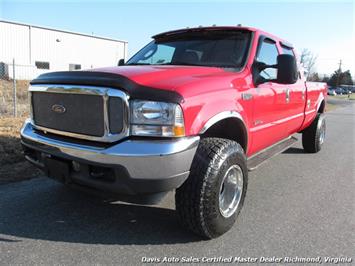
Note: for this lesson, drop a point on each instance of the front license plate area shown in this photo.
(57, 169)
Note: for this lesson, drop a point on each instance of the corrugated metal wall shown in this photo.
(35, 49)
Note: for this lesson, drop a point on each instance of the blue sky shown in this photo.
(324, 27)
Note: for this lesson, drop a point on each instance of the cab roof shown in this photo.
(220, 28)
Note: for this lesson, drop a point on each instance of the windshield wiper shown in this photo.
(138, 64)
(203, 65)
(179, 63)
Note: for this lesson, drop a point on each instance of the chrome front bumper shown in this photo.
(149, 161)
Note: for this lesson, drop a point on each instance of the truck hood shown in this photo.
(161, 83)
(163, 77)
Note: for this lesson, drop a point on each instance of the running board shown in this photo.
(264, 155)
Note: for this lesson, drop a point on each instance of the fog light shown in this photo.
(76, 166)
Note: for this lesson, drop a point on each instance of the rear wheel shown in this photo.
(313, 137)
(213, 195)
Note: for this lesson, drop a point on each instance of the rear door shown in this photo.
(270, 105)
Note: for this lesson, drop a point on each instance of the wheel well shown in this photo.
(229, 128)
(321, 108)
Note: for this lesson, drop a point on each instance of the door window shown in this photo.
(287, 50)
(268, 54)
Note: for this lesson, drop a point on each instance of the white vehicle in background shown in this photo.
(331, 92)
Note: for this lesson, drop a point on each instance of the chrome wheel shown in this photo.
(322, 133)
(230, 191)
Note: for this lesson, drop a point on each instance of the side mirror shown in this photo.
(121, 62)
(287, 72)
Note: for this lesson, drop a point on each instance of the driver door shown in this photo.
(270, 105)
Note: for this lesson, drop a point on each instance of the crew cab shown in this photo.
(193, 111)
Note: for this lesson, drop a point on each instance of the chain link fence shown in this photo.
(14, 109)
(14, 82)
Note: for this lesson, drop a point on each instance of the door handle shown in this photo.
(287, 95)
(247, 96)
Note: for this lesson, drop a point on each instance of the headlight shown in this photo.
(159, 119)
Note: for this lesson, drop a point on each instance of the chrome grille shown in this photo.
(94, 113)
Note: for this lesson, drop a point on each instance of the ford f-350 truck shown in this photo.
(192, 111)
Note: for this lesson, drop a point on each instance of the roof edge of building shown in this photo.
(63, 31)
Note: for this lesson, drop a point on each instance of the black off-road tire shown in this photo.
(312, 139)
(197, 200)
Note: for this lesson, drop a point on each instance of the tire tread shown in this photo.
(190, 198)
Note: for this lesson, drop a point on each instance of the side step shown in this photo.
(262, 156)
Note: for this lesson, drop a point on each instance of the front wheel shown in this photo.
(213, 195)
(313, 137)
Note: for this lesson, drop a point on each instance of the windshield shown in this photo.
(212, 49)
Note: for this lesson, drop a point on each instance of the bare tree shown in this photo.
(308, 60)
(314, 77)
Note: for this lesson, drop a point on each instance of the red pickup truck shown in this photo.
(192, 111)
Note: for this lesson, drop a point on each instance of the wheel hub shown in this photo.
(322, 133)
(230, 191)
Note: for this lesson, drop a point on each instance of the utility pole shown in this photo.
(339, 72)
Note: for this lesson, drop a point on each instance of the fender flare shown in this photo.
(225, 115)
(320, 100)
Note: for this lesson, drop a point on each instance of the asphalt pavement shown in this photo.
(298, 206)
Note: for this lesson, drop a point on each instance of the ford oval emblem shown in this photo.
(58, 108)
